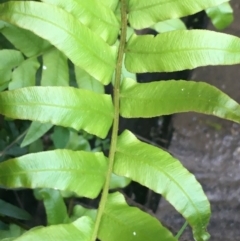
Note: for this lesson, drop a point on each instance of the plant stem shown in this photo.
(180, 232)
(13, 143)
(116, 98)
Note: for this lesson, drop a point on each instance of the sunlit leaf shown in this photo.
(121, 222)
(221, 16)
(169, 25)
(169, 97)
(159, 171)
(54, 205)
(65, 106)
(9, 59)
(64, 31)
(103, 22)
(24, 75)
(7, 209)
(35, 131)
(54, 69)
(87, 82)
(80, 172)
(81, 229)
(143, 14)
(110, 3)
(24, 40)
(181, 49)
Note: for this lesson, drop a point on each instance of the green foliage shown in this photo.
(7, 209)
(221, 15)
(63, 53)
(63, 172)
(80, 229)
(194, 47)
(63, 109)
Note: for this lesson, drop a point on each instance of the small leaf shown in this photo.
(54, 69)
(35, 131)
(77, 142)
(7, 209)
(36, 146)
(81, 229)
(87, 82)
(80, 172)
(9, 59)
(181, 49)
(143, 14)
(60, 106)
(54, 205)
(24, 75)
(60, 137)
(65, 32)
(169, 25)
(80, 211)
(169, 97)
(119, 182)
(221, 16)
(159, 171)
(104, 23)
(121, 222)
(27, 42)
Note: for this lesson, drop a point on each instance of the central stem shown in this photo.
(116, 100)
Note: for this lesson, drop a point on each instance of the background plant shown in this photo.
(45, 34)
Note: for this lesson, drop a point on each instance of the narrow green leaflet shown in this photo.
(87, 82)
(7, 209)
(169, 25)
(9, 59)
(54, 69)
(81, 229)
(79, 172)
(24, 75)
(103, 22)
(65, 106)
(54, 205)
(67, 33)
(121, 222)
(159, 171)
(169, 97)
(181, 49)
(221, 16)
(35, 131)
(60, 137)
(144, 13)
(24, 40)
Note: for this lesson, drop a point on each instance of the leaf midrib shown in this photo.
(73, 108)
(228, 110)
(179, 50)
